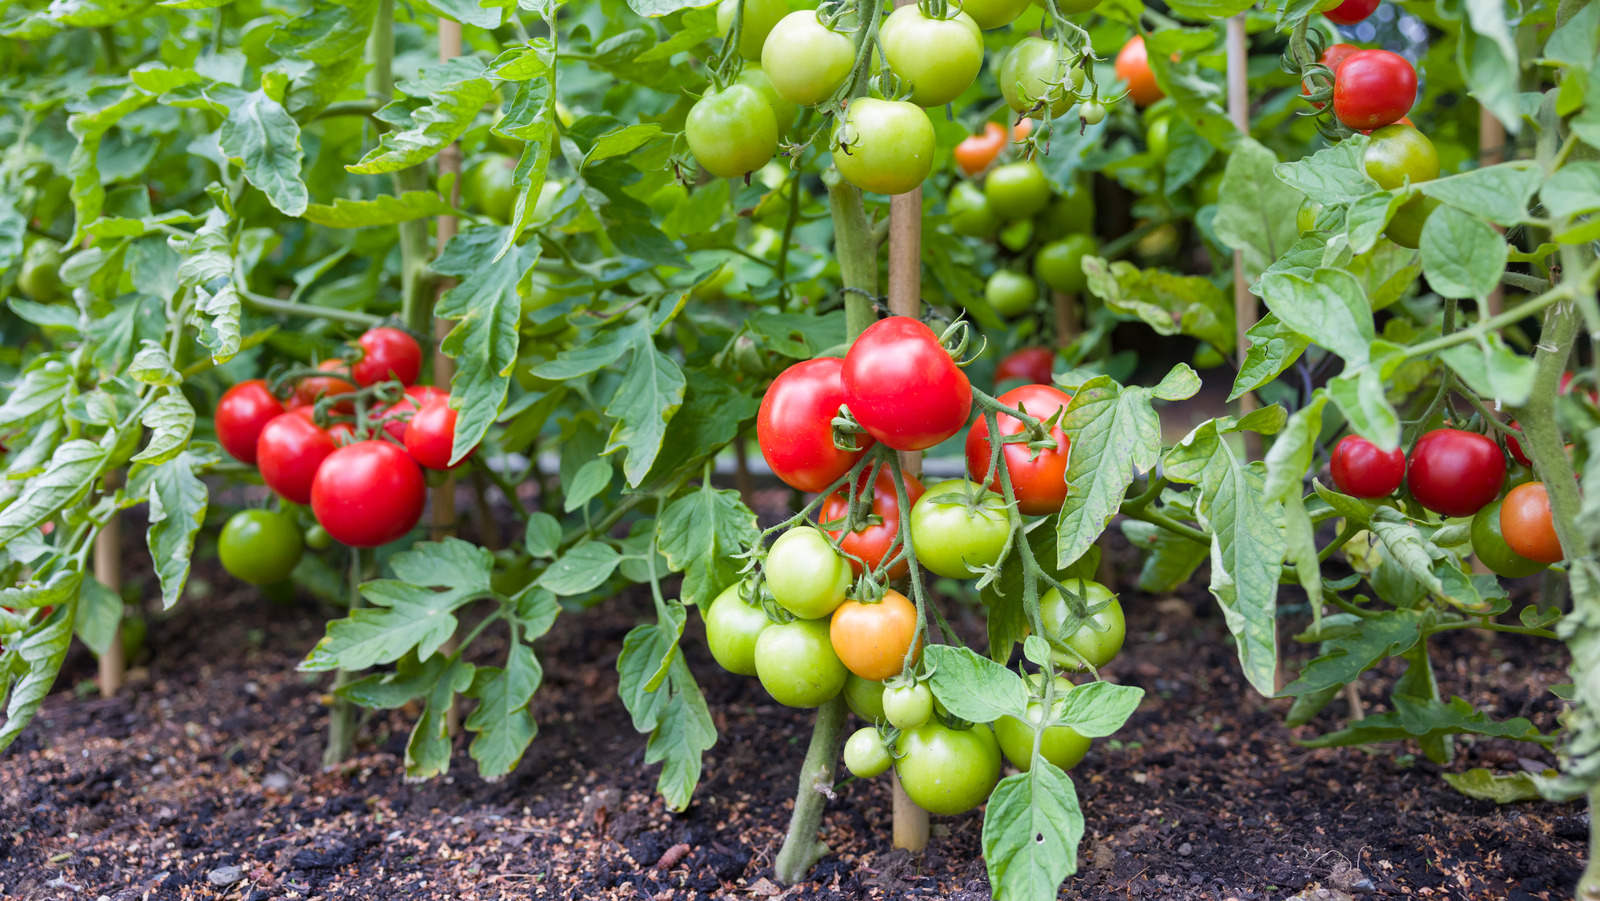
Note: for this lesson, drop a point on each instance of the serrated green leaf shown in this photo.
(1169, 303)
(40, 390)
(99, 615)
(1423, 719)
(178, 502)
(483, 344)
(461, 93)
(385, 209)
(1462, 255)
(1256, 212)
(1493, 370)
(260, 137)
(152, 366)
(171, 421)
(503, 723)
(974, 687)
(71, 472)
(1329, 307)
(650, 394)
(1031, 830)
(1097, 709)
(41, 651)
(1335, 175)
(700, 534)
(584, 568)
(1114, 431)
(1367, 643)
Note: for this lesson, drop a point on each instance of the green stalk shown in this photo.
(415, 304)
(342, 715)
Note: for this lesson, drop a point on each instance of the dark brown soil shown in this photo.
(211, 761)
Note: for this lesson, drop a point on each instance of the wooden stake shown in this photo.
(108, 572)
(1491, 150)
(444, 497)
(1067, 323)
(1244, 303)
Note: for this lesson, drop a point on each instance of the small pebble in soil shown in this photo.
(276, 782)
(1185, 849)
(225, 875)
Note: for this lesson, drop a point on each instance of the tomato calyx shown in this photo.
(1035, 432)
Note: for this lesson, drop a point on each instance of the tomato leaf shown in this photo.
(1501, 788)
(1335, 175)
(664, 700)
(700, 535)
(1421, 719)
(171, 422)
(1368, 641)
(502, 720)
(40, 390)
(1170, 558)
(1031, 830)
(1329, 307)
(1098, 709)
(974, 687)
(453, 91)
(99, 615)
(649, 395)
(483, 343)
(1171, 304)
(1498, 193)
(1114, 430)
(41, 651)
(259, 136)
(1462, 255)
(385, 209)
(543, 535)
(583, 568)
(1256, 213)
(71, 472)
(1493, 370)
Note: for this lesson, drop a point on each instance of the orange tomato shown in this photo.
(1133, 66)
(872, 639)
(309, 389)
(1527, 526)
(975, 153)
(1021, 130)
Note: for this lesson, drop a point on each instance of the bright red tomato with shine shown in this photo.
(432, 434)
(289, 452)
(795, 425)
(1455, 473)
(395, 416)
(1359, 469)
(368, 494)
(902, 386)
(1374, 88)
(387, 353)
(1040, 483)
(1351, 11)
(1035, 364)
(244, 410)
(870, 544)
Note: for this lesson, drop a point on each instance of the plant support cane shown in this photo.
(342, 712)
(1244, 303)
(444, 497)
(108, 572)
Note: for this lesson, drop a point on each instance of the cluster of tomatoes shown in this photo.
(830, 627)
(1460, 474)
(360, 471)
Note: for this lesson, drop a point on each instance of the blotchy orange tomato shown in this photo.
(1527, 526)
(872, 639)
(975, 153)
(1133, 66)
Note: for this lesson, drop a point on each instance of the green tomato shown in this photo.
(1016, 235)
(886, 146)
(1017, 190)
(783, 112)
(260, 546)
(994, 13)
(317, 538)
(806, 60)
(732, 132)
(864, 754)
(796, 663)
(489, 186)
(947, 771)
(1398, 153)
(969, 211)
(952, 537)
(806, 576)
(1305, 218)
(1010, 293)
(1092, 112)
(40, 276)
(1160, 244)
(1072, 213)
(865, 697)
(1033, 71)
(940, 57)
(1061, 745)
(732, 627)
(1405, 226)
(1490, 546)
(760, 17)
(1155, 139)
(908, 706)
(1096, 646)
(1060, 263)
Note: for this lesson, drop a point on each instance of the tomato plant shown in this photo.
(290, 450)
(367, 494)
(1373, 88)
(387, 353)
(903, 387)
(958, 527)
(870, 544)
(1034, 364)
(795, 425)
(947, 771)
(1359, 469)
(733, 623)
(797, 664)
(1455, 473)
(908, 706)
(1526, 526)
(242, 414)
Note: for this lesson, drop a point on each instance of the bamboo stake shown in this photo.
(108, 572)
(1244, 303)
(444, 497)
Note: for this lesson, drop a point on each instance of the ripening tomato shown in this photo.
(289, 452)
(1489, 544)
(1099, 638)
(396, 416)
(865, 755)
(260, 546)
(908, 706)
(969, 211)
(902, 386)
(1455, 473)
(733, 624)
(1373, 88)
(431, 436)
(885, 146)
(794, 426)
(1092, 112)
(1351, 11)
(760, 17)
(976, 152)
(1017, 190)
(865, 697)
(1040, 483)
(994, 13)
(1359, 469)
(1033, 365)
(872, 639)
(1036, 75)
(1010, 293)
(368, 494)
(1336, 54)
(796, 663)
(732, 132)
(958, 527)
(806, 60)
(1133, 66)
(1405, 226)
(869, 544)
(1527, 525)
(947, 771)
(387, 353)
(940, 57)
(806, 576)
(1061, 745)
(244, 410)
(1060, 263)
(1397, 154)
(311, 389)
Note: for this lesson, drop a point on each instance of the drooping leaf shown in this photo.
(700, 533)
(178, 501)
(503, 723)
(262, 138)
(1031, 830)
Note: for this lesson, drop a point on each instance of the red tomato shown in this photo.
(902, 386)
(309, 389)
(368, 494)
(871, 543)
(291, 449)
(975, 153)
(795, 425)
(1374, 88)
(1359, 469)
(1133, 66)
(395, 416)
(387, 353)
(1332, 57)
(1515, 447)
(1351, 11)
(1527, 526)
(1040, 483)
(1031, 363)
(1455, 473)
(432, 434)
(244, 410)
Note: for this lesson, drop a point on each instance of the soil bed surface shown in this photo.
(204, 781)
